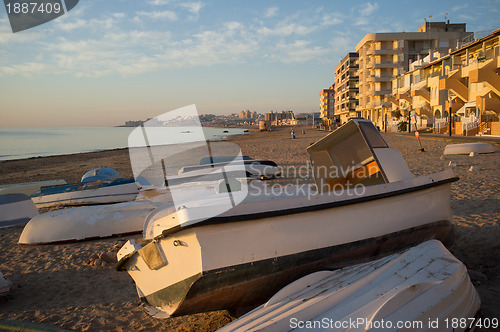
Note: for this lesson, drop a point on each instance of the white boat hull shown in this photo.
(239, 259)
(103, 195)
(424, 288)
(467, 148)
(16, 209)
(86, 222)
(28, 188)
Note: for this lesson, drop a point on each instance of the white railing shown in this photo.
(440, 123)
(467, 126)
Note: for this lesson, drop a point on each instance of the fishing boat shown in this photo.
(87, 193)
(236, 249)
(423, 288)
(16, 209)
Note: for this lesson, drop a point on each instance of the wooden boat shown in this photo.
(16, 209)
(5, 285)
(87, 193)
(424, 287)
(467, 148)
(28, 188)
(87, 223)
(236, 250)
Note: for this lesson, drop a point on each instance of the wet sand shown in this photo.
(69, 287)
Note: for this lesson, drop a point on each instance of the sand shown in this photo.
(67, 286)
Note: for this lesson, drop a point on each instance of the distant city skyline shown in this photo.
(106, 62)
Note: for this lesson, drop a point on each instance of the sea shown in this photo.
(22, 143)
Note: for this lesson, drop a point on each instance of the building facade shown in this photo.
(384, 56)
(327, 105)
(464, 82)
(347, 88)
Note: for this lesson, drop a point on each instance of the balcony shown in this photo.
(382, 92)
(385, 64)
(384, 78)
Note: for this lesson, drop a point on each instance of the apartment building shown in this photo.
(465, 81)
(346, 87)
(384, 56)
(327, 105)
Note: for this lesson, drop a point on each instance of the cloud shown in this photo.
(26, 69)
(158, 2)
(368, 9)
(459, 7)
(287, 29)
(194, 8)
(298, 51)
(166, 14)
(331, 19)
(270, 12)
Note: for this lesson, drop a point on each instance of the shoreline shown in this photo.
(59, 285)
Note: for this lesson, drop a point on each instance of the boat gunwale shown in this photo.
(316, 207)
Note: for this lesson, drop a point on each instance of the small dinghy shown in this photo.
(16, 209)
(234, 250)
(467, 148)
(99, 186)
(423, 288)
(87, 222)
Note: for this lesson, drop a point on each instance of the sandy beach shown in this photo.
(68, 286)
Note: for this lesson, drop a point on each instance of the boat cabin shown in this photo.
(355, 154)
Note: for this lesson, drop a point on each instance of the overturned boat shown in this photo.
(467, 148)
(87, 223)
(235, 250)
(16, 209)
(422, 288)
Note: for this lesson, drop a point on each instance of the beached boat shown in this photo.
(28, 188)
(5, 284)
(467, 148)
(423, 288)
(101, 173)
(208, 255)
(87, 193)
(16, 209)
(87, 223)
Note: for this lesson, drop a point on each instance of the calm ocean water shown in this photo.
(21, 143)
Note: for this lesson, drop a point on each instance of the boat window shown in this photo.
(372, 135)
(351, 152)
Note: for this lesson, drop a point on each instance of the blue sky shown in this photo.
(108, 61)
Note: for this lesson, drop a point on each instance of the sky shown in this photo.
(109, 61)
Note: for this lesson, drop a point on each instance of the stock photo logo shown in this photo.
(25, 15)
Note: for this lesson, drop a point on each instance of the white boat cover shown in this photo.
(423, 285)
